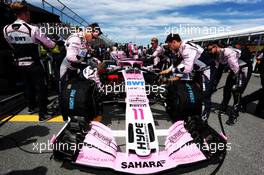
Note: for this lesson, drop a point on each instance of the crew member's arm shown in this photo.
(73, 45)
(6, 37)
(43, 39)
(157, 53)
(167, 71)
(232, 61)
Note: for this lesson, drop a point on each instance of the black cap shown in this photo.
(213, 42)
(240, 42)
(172, 37)
(96, 27)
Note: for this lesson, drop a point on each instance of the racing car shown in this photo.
(189, 140)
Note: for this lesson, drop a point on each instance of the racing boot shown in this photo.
(44, 117)
(231, 120)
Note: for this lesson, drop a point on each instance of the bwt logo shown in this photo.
(136, 83)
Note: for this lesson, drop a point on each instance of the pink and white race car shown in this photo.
(93, 144)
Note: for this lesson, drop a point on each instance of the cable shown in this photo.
(221, 123)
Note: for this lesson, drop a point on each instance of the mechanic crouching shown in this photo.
(236, 80)
(76, 91)
(25, 40)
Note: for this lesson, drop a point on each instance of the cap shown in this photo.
(96, 28)
(154, 39)
(172, 37)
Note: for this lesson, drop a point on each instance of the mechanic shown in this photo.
(236, 79)
(188, 55)
(77, 54)
(25, 40)
(132, 50)
(158, 52)
(246, 56)
(257, 95)
(77, 51)
(188, 62)
(259, 59)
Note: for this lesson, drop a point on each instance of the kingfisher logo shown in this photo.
(147, 164)
(135, 83)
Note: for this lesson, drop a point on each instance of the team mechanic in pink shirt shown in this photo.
(25, 40)
(189, 61)
(158, 51)
(78, 61)
(77, 50)
(236, 80)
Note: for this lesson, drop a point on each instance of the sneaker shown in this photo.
(44, 118)
(231, 120)
(51, 111)
(31, 111)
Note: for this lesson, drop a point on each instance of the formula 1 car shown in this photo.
(189, 140)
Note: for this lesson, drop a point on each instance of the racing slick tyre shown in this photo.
(206, 138)
(183, 98)
(79, 98)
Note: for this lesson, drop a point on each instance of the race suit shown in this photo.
(25, 39)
